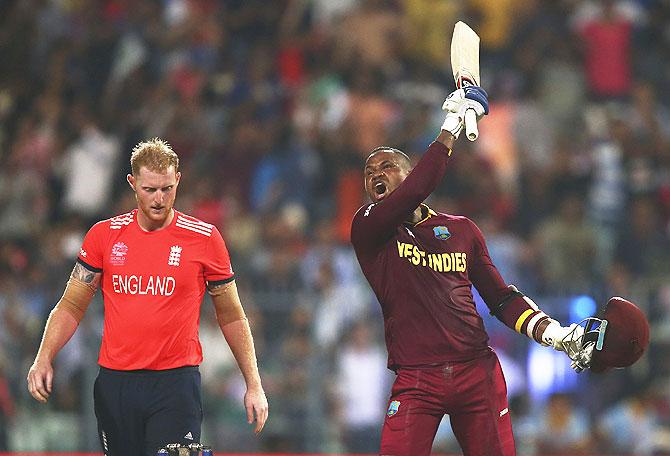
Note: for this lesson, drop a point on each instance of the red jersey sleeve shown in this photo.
(92, 250)
(217, 267)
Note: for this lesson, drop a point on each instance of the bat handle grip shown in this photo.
(471, 124)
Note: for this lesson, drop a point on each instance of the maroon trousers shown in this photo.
(472, 393)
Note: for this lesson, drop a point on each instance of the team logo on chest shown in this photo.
(175, 255)
(118, 255)
(441, 232)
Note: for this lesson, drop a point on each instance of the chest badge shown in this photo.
(175, 255)
(441, 232)
(118, 255)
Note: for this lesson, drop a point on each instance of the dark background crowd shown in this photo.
(272, 107)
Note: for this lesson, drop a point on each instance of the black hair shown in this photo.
(404, 156)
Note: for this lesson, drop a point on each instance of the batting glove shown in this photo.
(458, 102)
(571, 341)
(559, 337)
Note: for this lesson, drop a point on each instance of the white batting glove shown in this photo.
(458, 102)
(454, 121)
(560, 337)
(570, 340)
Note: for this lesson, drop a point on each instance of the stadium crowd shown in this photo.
(272, 107)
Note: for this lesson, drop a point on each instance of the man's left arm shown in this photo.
(235, 328)
(508, 304)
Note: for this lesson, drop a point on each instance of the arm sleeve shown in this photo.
(374, 224)
(92, 249)
(217, 267)
(505, 302)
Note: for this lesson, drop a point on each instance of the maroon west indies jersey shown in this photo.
(422, 274)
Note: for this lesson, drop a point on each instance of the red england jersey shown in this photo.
(152, 286)
(422, 273)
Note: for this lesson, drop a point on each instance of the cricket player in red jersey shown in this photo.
(421, 265)
(154, 264)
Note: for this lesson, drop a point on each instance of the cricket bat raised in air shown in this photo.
(465, 66)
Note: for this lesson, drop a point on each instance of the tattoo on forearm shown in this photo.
(81, 273)
(221, 289)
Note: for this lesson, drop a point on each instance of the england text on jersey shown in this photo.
(143, 285)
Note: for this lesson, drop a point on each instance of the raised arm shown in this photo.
(61, 325)
(235, 328)
(374, 224)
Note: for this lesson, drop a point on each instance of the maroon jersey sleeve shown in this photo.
(375, 224)
(507, 304)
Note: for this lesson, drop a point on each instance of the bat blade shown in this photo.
(465, 67)
(465, 55)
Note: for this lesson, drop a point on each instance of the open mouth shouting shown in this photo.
(380, 190)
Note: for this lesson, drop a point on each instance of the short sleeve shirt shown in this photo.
(152, 286)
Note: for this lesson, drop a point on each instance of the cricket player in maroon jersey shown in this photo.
(421, 265)
(154, 264)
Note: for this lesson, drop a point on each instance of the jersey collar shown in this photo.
(426, 213)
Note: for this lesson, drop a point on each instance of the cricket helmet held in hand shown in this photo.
(617, 340)
(626, 338)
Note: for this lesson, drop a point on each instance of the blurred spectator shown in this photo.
(644, 246)
(566, 247)
(495, 21)
(606, 27)
(362, 387)
(23, 202)
(7, 407)
(428, 35)
(88, 166)
(560, 86)
(275, 178)
(629, 427)
(526, 426)
(371, 35)
(292, 400)
(648, 118)
(563, 428)
(370, 114)
(337, 306)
